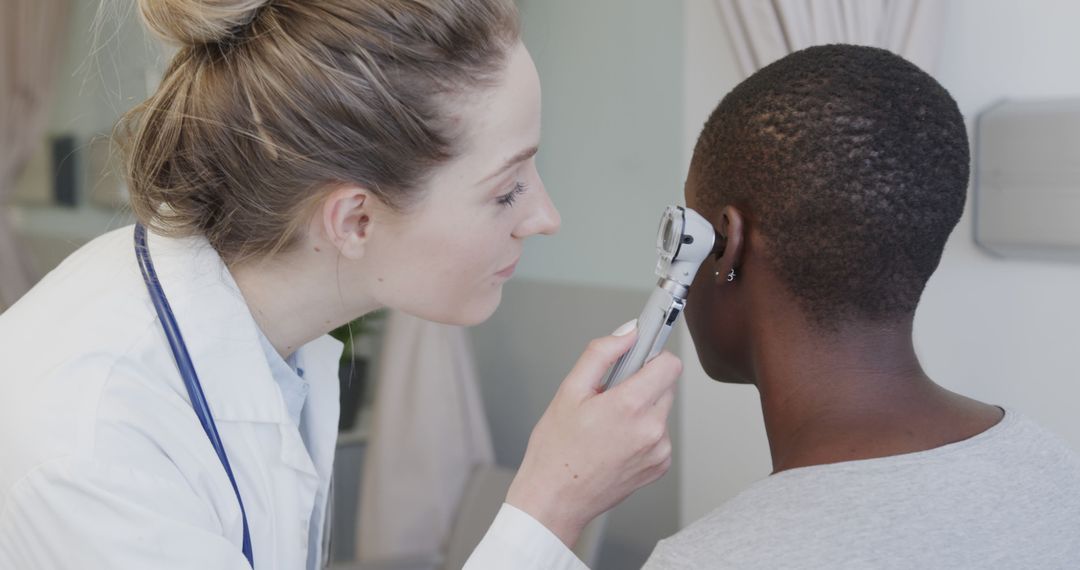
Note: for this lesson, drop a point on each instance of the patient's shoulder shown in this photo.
(734, 534)
(876, 512)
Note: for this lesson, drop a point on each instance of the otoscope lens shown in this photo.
(665, 233)
(670, 234)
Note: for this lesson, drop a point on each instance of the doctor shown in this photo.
(169, 394)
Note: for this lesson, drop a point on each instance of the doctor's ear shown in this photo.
(346, 219)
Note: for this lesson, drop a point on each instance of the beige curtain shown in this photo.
(763, 31)
(429, 433)
(32, 36)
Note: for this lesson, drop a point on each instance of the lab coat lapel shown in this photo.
(218, 328)
(321, 359)
(279, 482)
(223, 340)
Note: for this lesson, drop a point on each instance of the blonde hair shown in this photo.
(268, 103)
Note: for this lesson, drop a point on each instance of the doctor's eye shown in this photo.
(511, 196)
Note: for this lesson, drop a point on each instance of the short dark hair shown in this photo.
(853, 164)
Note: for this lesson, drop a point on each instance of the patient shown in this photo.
(834, 178)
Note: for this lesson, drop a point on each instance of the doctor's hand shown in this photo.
(592, 449)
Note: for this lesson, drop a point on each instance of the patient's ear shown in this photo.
(730, 236)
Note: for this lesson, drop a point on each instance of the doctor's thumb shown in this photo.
(626, 328)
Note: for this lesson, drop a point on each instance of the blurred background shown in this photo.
(627, 85)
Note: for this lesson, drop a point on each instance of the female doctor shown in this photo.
(301, 164)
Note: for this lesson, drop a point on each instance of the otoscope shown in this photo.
(684, 241)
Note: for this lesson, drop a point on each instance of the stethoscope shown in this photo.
(187, 370)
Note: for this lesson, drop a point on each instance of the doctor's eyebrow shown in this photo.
(517, 158)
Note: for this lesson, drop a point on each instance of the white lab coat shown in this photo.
(103, 463)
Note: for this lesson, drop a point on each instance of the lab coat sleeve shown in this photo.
(516, 540)
(85, 514)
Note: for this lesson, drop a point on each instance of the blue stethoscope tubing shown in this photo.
(187, 369)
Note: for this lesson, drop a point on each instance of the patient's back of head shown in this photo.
(853, 165)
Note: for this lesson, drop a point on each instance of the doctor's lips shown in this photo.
(507, 271)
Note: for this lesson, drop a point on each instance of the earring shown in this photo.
(730, 276)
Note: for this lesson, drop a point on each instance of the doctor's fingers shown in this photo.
(646, 387)
(599, 356)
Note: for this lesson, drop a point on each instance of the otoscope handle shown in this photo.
(654, 326)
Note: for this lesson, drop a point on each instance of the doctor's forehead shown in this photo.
(502, 121)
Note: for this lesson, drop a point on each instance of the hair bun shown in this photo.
(194, 22)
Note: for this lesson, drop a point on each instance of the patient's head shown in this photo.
(835, 176)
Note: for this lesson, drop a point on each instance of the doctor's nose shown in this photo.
(543, 218)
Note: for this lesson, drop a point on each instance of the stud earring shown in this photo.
(730, 276)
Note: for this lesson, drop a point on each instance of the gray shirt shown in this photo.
(1006, 498)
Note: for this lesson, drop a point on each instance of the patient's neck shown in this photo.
(856, 393)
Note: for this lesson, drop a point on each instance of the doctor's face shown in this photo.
(447, 258)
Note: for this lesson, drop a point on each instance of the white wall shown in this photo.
(612, 126)
(1003, 331)
(1007, 331)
